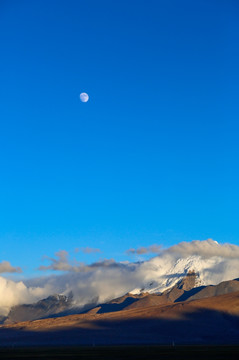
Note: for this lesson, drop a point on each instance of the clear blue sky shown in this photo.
(151, 158)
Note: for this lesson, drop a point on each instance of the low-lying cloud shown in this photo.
(108, 279)
(14, 293)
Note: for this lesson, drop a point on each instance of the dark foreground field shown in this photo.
(186, 330)
(123, 352)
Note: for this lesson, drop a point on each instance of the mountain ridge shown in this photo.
(213, 320)
(183, 281)
(61, 305)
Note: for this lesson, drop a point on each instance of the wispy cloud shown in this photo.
(63, 263)
(88, 250)
(152, 249)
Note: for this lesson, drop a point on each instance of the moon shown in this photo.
(84, 97)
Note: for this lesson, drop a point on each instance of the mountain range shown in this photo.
(141, 319)
(187, 311)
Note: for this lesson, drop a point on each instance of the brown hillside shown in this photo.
(227, 304)
(212, 320)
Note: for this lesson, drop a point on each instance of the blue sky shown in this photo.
(152, 158)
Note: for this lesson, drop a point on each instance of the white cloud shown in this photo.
(107, 279)
(205, 248)
(14, 293)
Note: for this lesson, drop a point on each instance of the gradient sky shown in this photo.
(152, 158)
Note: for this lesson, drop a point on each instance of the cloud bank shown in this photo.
(108, 279)
(14, 293)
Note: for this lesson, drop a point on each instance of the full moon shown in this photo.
(84, 97)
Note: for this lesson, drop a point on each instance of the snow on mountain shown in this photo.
(106, 280)
(168, 271)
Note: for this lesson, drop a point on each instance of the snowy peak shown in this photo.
(168, 271)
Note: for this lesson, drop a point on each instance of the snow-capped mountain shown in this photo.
(104, 281)
(166, 273)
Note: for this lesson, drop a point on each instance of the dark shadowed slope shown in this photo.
(183, 291)
(60, 305)
(133, 301)
(212, 320)
(224, 287)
